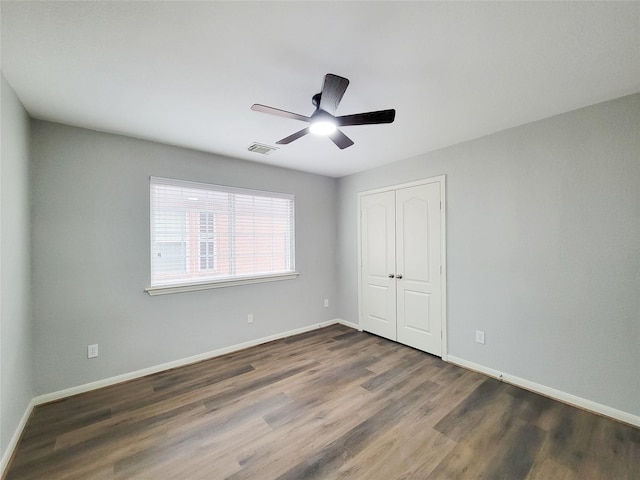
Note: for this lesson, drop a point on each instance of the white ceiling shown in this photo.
(186, 73)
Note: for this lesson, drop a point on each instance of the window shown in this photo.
(205, 236)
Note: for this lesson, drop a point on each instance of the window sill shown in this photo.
(192, 287)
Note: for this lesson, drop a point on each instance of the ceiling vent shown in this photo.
(261, 148)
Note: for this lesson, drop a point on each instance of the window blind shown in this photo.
(213, 233)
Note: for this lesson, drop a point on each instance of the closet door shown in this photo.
(378, 250)
(418, 270)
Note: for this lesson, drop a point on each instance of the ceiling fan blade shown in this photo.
(281, 113)
(369, 118)
(293, 137)
(332, 91)
(341, 140)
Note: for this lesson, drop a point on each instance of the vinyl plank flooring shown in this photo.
(550, 469)
(332, 403)
(409, 449)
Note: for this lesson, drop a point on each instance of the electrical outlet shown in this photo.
(250, 318)
(326, 303)
(92, 351)
(480, 337)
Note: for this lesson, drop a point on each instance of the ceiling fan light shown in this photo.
(322, 127)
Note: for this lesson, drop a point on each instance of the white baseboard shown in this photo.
(13, 443)
(87, 387)
(559, 395)
(520, 382)
(348, 324)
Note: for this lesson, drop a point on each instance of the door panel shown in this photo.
(377, 218)
(378, 248)
(419, 307)
(416, 311)
(377, 303)
(413, 214)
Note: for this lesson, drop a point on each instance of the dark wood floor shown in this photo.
(331, 404)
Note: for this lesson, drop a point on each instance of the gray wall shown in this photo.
(91, 258)
(16, 377)
(543, 249)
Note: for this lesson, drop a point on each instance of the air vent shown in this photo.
(261, 148)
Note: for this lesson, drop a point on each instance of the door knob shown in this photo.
(398, 276)
(391, 275)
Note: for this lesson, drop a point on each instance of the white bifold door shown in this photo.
(401, 255)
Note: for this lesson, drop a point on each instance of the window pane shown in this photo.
(203, 232)
(170, 257)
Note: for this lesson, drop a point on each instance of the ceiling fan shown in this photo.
(323, 121)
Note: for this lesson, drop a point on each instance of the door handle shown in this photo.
(391, 275)
(398, 276)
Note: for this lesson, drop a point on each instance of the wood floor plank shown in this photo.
(518, 453)
(333, 455)
(550, 469)
(466, 416)
(609, 448)
(332, 403)
(410, 449)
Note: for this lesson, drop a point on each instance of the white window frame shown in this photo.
(165, 286)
